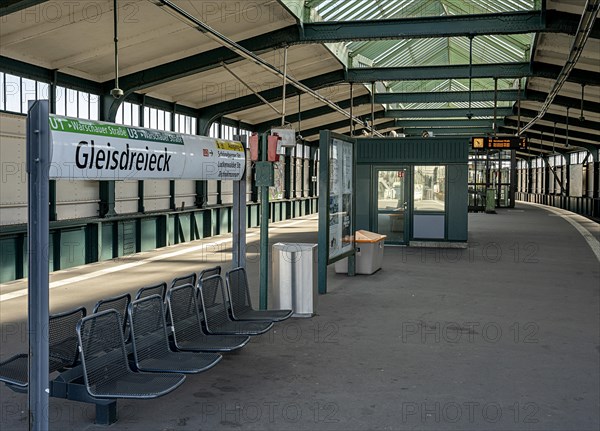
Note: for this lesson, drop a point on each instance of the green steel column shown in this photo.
(264, 233)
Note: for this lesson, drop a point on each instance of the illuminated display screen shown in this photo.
(502, 143)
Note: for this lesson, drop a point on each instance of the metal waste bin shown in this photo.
(294, 284)
(369, 253)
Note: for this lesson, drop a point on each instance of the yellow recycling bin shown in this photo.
(369, 253)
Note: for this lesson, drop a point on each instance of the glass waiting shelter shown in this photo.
(416, 189)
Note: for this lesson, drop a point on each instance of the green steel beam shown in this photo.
(312, 113)
(567, 23)
(345, 124)
(475, 131)
(548, 131)
(534, 134)
(425, 27)
(456, 71)
(447, 113)
(447, 96)
(203, 61)
(433, 123)
(30, 71)
(577, 76)
(559, 119)
(211, 113)
(11, 6)
(571, 102)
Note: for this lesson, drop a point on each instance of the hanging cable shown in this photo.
(285, 63)
(586, 25)
(116, 92)
(567, 131)
(373, 109)
(495, 105)
(255, 59)
(554, 138)
(581, 117)
(256, 93)
(351, 109)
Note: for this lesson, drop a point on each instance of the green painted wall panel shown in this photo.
(412, 150)
(253, 218)
(363, 197)
(225, 214)
(277, 208)
(8, 259)
(72, 248)
(171, 230)
(148, 234)
(26, 257)
(50, 252)
(127, 232)
(185, 223)
(199, 216)
(106, 245)
(215, 222)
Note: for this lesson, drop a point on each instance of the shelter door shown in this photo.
(392, 211)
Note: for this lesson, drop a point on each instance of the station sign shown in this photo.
(499, 143)
(95, 150)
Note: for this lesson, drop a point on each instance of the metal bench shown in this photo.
(216, 315)
(151, 342)
(209, 272)
(155, 289)
(184, 279)
(187, 329)
(104, 359)
(62, 345)
(120, 304)
(240, 304)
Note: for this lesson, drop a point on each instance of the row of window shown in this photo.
(17, 91)
(553, 177)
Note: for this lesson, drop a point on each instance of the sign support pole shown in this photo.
(264, 233)
(38, 164)
(323, 247)
(239, 218)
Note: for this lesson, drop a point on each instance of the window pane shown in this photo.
(94, 107)
(135, 115)
(71, 103)
(43, 91)
(429, 188)
(60, 100)
(153, 118)
(146, 117)
(13, 93)
(127, 113)
(168, 121)
(28, 88)
(1, 90)
(84, 111)
(161, 120)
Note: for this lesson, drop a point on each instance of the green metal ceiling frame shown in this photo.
(12, 6)
(435, 41)
(447, 113)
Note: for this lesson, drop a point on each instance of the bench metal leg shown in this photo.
(106, 413)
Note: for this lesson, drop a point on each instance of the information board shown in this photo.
(341, 165)
(499, 143)
(94, 150)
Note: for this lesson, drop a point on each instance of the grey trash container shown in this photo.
(294, 284)
(369, 253)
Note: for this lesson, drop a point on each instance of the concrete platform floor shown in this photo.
(503, 335)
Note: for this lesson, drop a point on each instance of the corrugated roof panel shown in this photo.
(337, 10)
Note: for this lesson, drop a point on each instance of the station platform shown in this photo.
(502, 335)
